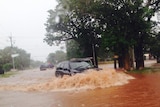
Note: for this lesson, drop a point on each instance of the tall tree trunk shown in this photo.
(124, 60)
(158, 59)
(91, 51)
(139, 56)
(132, 57)
(120, 61)
(127, 64)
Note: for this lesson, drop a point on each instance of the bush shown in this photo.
(7, 67)
(1, 70)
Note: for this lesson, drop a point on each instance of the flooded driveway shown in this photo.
(118, 90)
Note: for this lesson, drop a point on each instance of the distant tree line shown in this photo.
(123, 27)
(56, 57)
(22, 61)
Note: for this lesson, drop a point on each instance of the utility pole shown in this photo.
(94, 54)
(94, 59)
(11, 41)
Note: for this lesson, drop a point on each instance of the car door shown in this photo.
(66, 68)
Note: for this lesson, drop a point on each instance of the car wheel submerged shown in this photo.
(58, 74)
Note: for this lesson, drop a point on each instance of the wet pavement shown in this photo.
(143, 91)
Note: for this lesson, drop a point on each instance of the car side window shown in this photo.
(66, 66)
(60, 66)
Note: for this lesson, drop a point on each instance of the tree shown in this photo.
(126, 28)
(120, 25)
(5, 56)
(74, 23)
(73, 49)
(154, 6)
(21, 62)
(56, 57)
(35, 64)
(154, 47)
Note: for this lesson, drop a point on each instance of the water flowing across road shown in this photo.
(104, 89)
(90, 79)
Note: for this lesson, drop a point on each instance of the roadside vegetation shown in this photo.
(8, 74)
(154, 68)
(120, 30)
(21, 62)
(106, 28)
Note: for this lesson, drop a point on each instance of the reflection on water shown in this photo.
(89, 80)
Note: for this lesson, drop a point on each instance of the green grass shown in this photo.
(7, 74)
(145, 70)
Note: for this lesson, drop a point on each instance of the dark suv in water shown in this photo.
(73, 66)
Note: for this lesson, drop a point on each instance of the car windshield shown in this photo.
(80, 64)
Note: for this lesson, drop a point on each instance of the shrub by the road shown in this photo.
(7, 67)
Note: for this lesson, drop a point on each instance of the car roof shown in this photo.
(63, 62)
(75, 60)
(81, 59)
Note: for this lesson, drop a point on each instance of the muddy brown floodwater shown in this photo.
(93, 89)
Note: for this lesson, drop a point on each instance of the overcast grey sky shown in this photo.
(24, 20)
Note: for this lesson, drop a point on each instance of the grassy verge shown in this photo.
(7, 74)
(145, 70)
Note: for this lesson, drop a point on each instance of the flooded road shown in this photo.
(142, 91)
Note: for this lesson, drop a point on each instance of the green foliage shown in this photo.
(114, 24)
(123, 22)
(73, 50)
(74, 23)
(154, 46)
(127, 26)
(1, 70)
(146, 70)
(21, 62)
(7, 67)
(56, 57)
(104, 54)
(5, 56)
